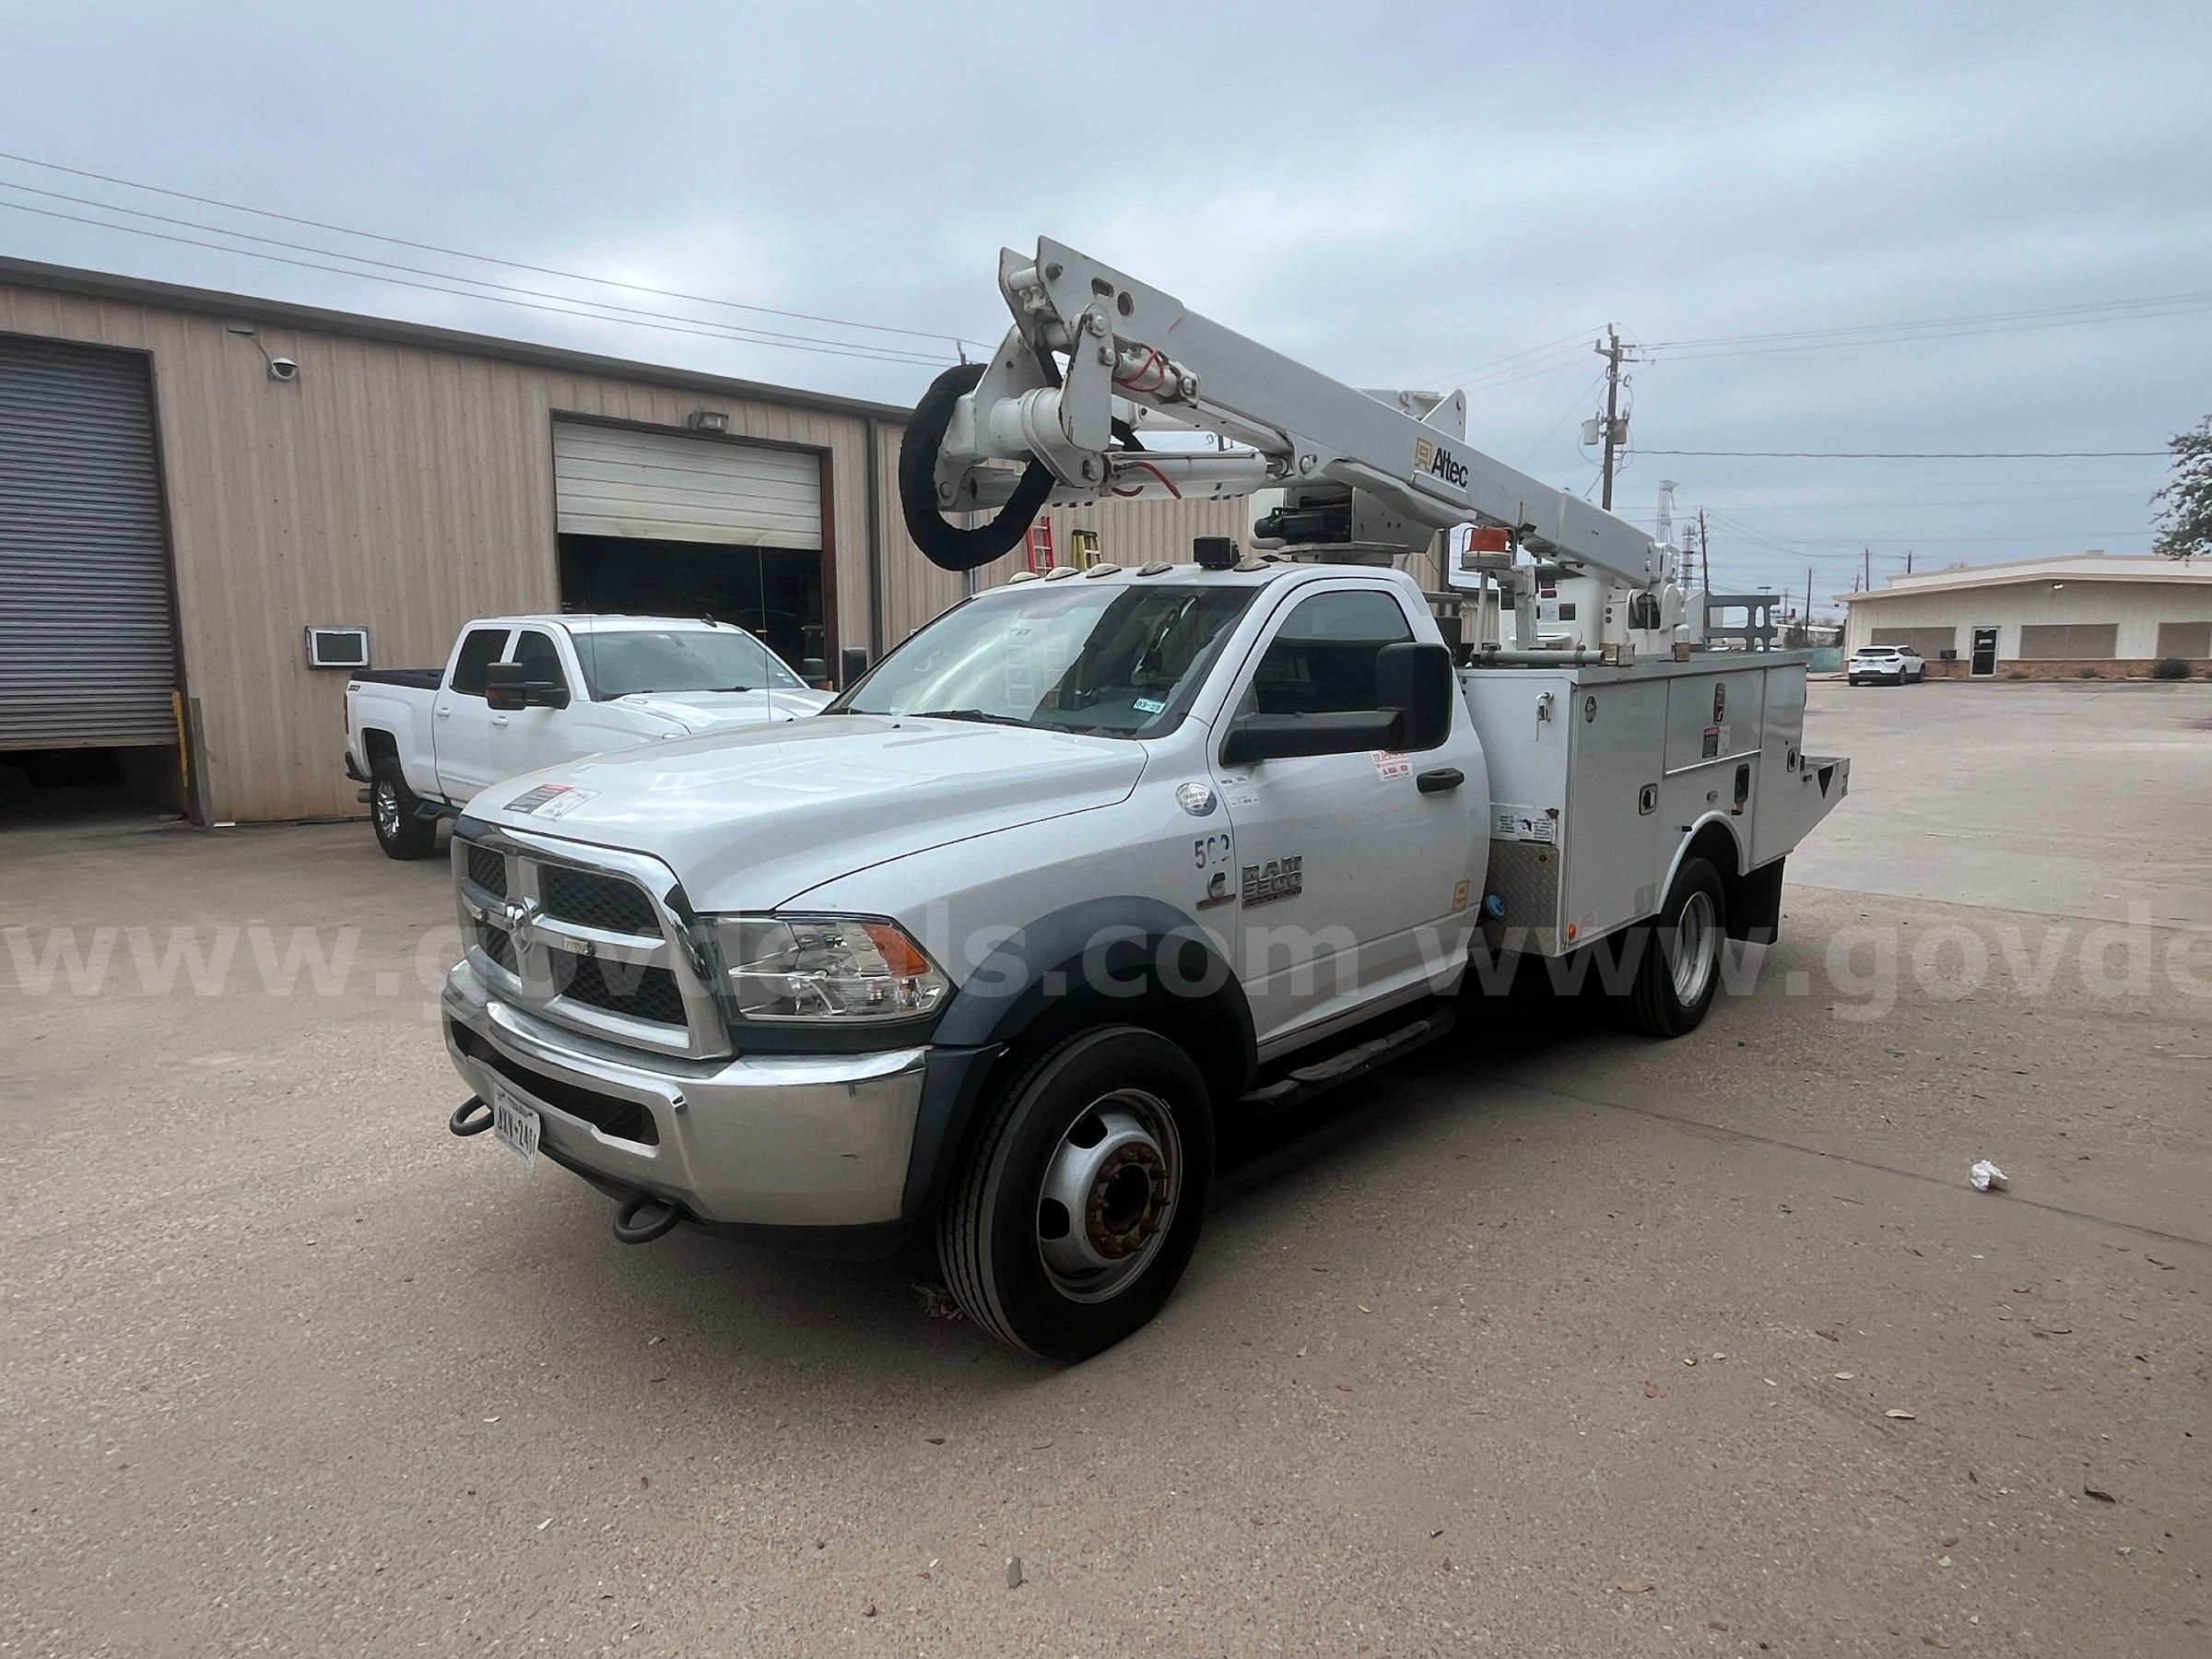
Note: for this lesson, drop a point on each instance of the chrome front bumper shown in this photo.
(775, 1140)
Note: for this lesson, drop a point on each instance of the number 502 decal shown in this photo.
(1209, 850)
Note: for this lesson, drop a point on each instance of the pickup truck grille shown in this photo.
(497, 944)
(487, 869)
(620, 988)
(595, 900)
(598, 949)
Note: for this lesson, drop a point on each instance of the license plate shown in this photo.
(514, 1123)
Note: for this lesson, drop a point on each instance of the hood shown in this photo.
(710, 711)
(752, 816)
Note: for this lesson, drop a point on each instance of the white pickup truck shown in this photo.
(1099, 858)
(518, 693)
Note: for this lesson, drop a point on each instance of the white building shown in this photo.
(2106, 613)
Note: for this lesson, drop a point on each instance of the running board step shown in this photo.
(1322, 1076)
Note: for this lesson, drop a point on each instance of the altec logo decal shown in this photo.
(1434, 459)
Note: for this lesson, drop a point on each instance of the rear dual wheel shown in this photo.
(1072, 1218)
(1677, 969)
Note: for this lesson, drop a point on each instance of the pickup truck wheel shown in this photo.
(1077, 1208)
(1679, 961)
(400, 830)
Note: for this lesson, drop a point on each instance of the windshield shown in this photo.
(1106, 657)
(671, 659)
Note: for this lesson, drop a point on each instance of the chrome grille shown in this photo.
(595, 900)
(497, 944)
(621, 987)
(487, 869)
(586, 938)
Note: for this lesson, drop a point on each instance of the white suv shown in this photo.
(1898, 664)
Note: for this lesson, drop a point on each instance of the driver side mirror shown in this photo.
(1415, 684)
(1281, 736)
(1418, 680)
(508, 686)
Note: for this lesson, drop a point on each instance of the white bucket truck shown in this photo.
(1097, 859)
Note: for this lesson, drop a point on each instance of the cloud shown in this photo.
(1386, 203)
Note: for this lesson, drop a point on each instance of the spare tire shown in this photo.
(949, 546)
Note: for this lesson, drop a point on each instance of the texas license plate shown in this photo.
(514, 1123)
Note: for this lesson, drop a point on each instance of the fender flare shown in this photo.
(1091, 945)
(1085, 949)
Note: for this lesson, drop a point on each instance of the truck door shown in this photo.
(1355, 874)
(461, 731)
(528, 738)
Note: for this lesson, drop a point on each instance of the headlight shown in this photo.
(825, 968)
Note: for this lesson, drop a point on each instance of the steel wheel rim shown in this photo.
(1697, 944)
(387, 810)
(1109, 1195)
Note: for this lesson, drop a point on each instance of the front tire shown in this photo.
(394, 813)
(1678, 955)
(1071, 1219)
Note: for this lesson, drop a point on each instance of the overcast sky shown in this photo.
(1398, 196)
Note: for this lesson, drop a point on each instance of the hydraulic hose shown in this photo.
(949, 546)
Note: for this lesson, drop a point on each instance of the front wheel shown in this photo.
(1072, 1218)
(1678, 955)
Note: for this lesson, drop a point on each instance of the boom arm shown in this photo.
(1129, 346)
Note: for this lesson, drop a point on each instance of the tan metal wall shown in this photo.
(399, 487)
(406, 487)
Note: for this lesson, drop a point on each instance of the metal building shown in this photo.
(192, 482)
(2105, 615)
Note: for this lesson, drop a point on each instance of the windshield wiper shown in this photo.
(733, 687)
(975, 714)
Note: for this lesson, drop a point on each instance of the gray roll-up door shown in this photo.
(665, 486)
(86, 656)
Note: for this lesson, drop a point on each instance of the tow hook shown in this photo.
(465, 1121)
(644, 1216)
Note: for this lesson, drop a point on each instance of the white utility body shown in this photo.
(1097, 858)
(423, 740)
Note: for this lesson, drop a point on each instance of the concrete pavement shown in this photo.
(289, 1370)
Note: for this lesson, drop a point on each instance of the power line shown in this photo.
(764, 334)
(1916, 455)
(704, 331)
(512, 264)
(1575, 338)
(1574, 362)
(2194, 298)
(1579, 398)
(1865, 506)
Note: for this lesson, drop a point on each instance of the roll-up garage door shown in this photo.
(86, 656)
(662, 486)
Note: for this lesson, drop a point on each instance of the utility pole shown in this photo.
(1705, 551)
(1867, 568)
(1610, 351)
(1908, 561)
(1808, 595)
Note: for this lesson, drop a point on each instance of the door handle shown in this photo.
(1440, 780)
(498, 719)
(445, 713)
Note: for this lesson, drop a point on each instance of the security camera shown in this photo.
(283, 368)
